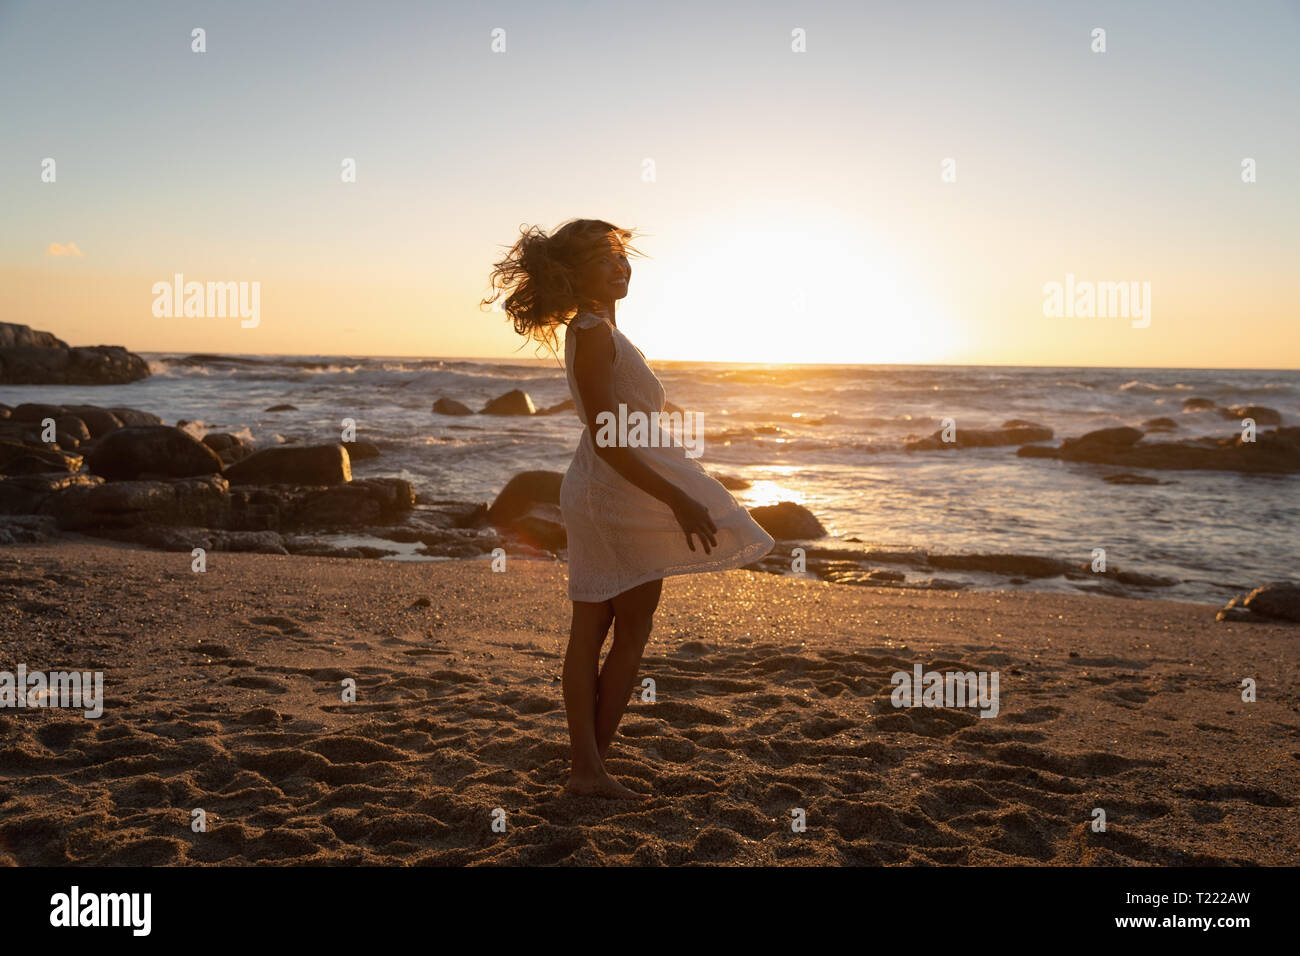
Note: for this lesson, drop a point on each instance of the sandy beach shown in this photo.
(223, 693)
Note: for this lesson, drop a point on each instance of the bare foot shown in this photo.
(602, 786)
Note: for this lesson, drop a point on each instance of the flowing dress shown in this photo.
(620, 536)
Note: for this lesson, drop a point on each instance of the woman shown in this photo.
(634, 515)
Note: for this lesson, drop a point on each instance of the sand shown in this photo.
(223, 693)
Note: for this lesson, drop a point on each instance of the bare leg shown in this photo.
(633, 618)
(586, 635)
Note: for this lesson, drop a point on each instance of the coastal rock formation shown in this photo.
(1014, 432)
(788, 520)
(515, 402)
(309, 465)
(19, 458)
(142, 451)
(1272, 452)
(449, 406)
(1277, 602)
(119, 504)
(1262, 414)
(564, 406)
(29, 357)
(229, 448)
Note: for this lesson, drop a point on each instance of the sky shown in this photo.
(793, 206)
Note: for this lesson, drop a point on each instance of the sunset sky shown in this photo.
(797, 212)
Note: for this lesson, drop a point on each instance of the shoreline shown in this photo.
(222, 693)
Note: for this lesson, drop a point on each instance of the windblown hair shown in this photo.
(538, 274)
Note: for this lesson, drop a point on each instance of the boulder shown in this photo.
(1101, 438)
(309, 465)
(788, 520)
(1014, 432)
(281, 408)
(29, 494)
(151, 450)
(1262, 414)
(28, 357)
(100, 421)
(367, 501)
(361, 450)
(119, 504)
(449, 406)
(17, 458)
(521, 492)
(1272, 452)
(541, 526)
(133, 416)
(564, 406)
(516, 402)
(1279, 601)
(1161, 424)
(229, 448)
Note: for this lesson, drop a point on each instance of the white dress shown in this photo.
(620, 536)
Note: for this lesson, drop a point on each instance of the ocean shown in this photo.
(828, 437)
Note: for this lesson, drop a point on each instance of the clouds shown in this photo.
(63, 249)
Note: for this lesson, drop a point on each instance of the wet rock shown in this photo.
(1198, 405)
(564, 406)
(100, 421)
(521, 493)
(731, 482)
(1014, 432)
(1160, 424)
(1260, 413)
(1022, 565)
(361, 450)
(17, 458)
(788, 520)
(151, 450)
(308, 465)
(449, 406)
(515, 402)
(1102, 438)
(1038, 451)
(364, 502)
(541, 526)
(281, 408)
(1273, 452)
(133, 416)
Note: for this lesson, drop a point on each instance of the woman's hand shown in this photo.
(694, 519)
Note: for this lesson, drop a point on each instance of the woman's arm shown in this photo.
(592, 364)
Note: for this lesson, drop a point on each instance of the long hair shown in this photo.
(538, 274)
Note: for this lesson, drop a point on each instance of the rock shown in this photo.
(38, 358)
(448, 406)
(1260, 413)
(281, 408)
(133, 416)
(151, 450)
(309, 465)
(514, 402)
(1273, 452)
(14, 336)
(1022, 565)
(1038, 451)
(1103, 438)
(731, 482)
(564, 406)
(72, 426)
(361, 450)
(32, 493)
(1280, 601)
(1014, 432)
(27, 529)
(229, 448)
(1160, 424)
(521, 492)
(541, 526)
(367, 501)
(1198, 405)
(100, 421)
(120, 504)
(17, 458)
(788, 520)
